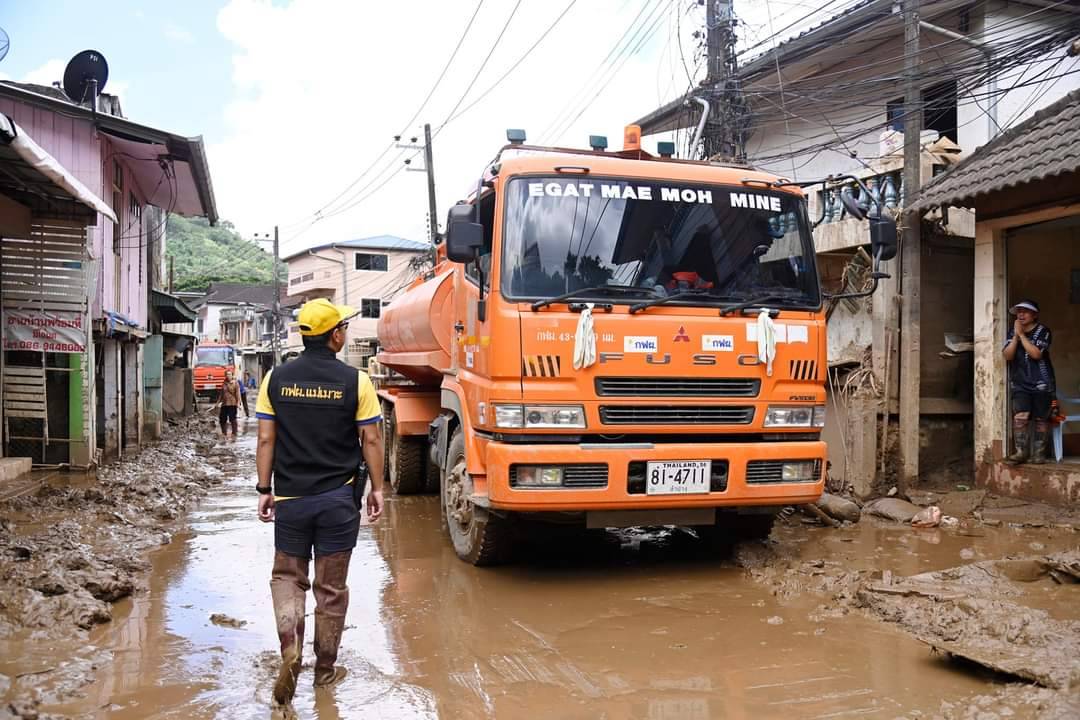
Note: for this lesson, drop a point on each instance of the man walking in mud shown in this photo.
(318, 418)
(1031, 379)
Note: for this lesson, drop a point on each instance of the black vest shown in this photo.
(315, 399)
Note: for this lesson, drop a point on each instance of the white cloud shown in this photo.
(178, 34)
(320, 86)
(52, 71)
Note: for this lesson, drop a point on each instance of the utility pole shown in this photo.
(429, 164)
(429, 168)
(172, 275)
(277, 303)
(911, 260)
(725, 129)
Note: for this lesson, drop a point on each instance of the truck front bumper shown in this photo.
(738, 490)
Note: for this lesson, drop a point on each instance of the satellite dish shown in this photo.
(5, 43)
(85, 76)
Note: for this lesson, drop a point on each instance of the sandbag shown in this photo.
(839, 508)
(892, 509)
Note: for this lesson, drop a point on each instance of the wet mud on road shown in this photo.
(629, 625)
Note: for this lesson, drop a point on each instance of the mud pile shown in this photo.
(75, 546)
(975, 612)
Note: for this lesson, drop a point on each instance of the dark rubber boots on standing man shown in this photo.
(288, 586)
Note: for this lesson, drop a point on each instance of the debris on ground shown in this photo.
(77, 544)
(839, 508)
(928, 517)
(892, 508)
(972, 612)
(223, 620)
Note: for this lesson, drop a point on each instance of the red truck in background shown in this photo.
(211, 362)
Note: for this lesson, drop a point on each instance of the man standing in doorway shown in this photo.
(1031, 379)
(318, 418)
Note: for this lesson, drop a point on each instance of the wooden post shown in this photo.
(911, 317)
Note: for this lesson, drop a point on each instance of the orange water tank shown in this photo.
(415, 330)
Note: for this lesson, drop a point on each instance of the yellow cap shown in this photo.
(320, 316)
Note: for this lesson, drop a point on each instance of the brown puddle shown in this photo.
(636, 625)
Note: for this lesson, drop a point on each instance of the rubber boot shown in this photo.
(1020, 438)
(1042, 434)
(288, 587)
(331, 602)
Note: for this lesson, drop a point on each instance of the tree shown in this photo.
(202, 254)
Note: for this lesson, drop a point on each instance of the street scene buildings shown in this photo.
(720, 359)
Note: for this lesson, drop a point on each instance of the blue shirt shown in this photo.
(1026, 374)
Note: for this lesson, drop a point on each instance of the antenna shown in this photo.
(5, 43)
(85, 76)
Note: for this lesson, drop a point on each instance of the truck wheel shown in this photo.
(478, 536)
(730, 528)
(753, 527)
(405, 460)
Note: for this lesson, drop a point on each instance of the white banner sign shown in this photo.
(54, 331)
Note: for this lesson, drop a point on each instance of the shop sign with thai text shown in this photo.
(54, 331)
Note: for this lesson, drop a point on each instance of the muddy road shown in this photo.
(630, 625)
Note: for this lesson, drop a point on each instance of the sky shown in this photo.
(297, 99)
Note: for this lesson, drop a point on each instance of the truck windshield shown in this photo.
(728, 243)
(213, 356)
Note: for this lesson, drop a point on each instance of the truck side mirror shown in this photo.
(464, 236)
(883, 242)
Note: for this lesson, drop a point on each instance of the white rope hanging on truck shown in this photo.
(766, 340)
(585, 340)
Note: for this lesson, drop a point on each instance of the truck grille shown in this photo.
(677, 387)
(575, 476)
(763, 472)
(675, 415)
(635, 477)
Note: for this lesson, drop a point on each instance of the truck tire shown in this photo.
(730, 528)
(405, 460)
(478, 536)
(431, 476)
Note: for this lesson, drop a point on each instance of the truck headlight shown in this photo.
(509, 416)
(540, 416)
(538, 476)
(798, 416)
(797, 471)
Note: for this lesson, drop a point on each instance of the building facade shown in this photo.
(365, 274)
(119, 259)
(830, 102)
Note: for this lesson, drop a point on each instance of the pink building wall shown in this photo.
(89, 156)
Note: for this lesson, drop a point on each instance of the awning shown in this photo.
(34, 178)
(172, 309)
(179, 194)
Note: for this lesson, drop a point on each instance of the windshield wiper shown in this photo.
(618, 289)
(695, 292)
(754, 302)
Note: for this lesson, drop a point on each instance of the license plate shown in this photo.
(678, 477)
(207, 387)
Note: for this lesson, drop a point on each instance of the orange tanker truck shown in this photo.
(613, 339)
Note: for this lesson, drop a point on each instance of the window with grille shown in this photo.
(370, 307)
(368, 261)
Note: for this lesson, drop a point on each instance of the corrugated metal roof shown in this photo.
(377, 242)
(1042, 147)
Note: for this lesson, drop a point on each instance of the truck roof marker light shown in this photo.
(515, 136)
(631, 138)
(598, 142)
(665, 148)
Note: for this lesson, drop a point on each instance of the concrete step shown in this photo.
(11, 468)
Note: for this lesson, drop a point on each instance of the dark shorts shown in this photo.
(1036, 403)
(328, 522)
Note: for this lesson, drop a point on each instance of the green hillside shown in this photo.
(204, 254)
